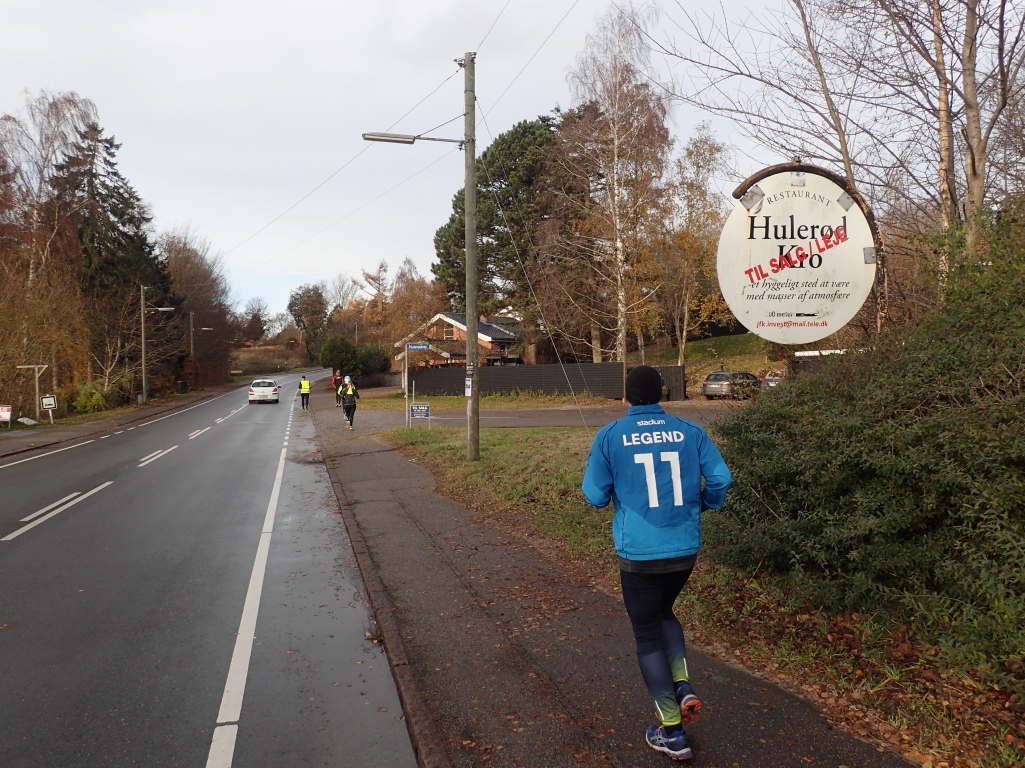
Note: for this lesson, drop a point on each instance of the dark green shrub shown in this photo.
(896, 476)
(342, 355)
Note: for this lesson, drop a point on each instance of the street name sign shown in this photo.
(416, 347)
(797, 256)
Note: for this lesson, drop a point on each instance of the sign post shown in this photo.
(421, 411)
(421, 346)
(49, 404)
(39, 372)
(797, 256)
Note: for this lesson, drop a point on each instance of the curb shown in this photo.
(423, 731)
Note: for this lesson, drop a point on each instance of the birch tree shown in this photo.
(618, 150)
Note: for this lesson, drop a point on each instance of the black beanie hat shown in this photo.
(643, 386)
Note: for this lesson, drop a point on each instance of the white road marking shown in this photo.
(104, 437)
(223, 745)
(197, 434)
(157, 456)
(33, 458)
(150, 456)
(222, 748)
(194, 432)
(57, 511)
(49, 507)
(118, 433)
(129, 429)
(183, 410)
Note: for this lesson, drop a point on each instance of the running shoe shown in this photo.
(690, 705)
(675, 745)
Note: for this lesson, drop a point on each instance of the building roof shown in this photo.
(487, 331)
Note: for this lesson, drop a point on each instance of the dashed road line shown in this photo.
(49, 507)
(57, 511)
(156, 456)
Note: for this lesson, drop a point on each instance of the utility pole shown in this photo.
(469, 146)
(470, 215)
(142, 326)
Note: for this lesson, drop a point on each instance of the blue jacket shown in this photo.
(650, 465)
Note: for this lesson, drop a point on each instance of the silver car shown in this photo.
(729, 384)
(263, 391)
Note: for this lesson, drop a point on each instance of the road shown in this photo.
(136, 568)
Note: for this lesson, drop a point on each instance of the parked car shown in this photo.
(263, 391)
(730, 384)
(773, 379)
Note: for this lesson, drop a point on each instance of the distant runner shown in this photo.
(304, 393)
(347, 391)
(650, 465)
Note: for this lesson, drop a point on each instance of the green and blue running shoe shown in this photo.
(675, 745)
(690, 705)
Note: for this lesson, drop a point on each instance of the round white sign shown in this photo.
(796, 257)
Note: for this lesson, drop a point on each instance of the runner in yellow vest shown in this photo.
(349, 397)
(304, 393)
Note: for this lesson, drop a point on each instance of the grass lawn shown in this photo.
(528, 481)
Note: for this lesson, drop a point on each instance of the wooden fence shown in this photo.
(603, 379)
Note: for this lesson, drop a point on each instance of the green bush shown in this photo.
(341, 354)
(896, 476)
(89, 398)
(373, 359)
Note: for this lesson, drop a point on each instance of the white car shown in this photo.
(263, 391)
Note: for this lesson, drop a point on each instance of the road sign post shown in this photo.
(417, 346)
(49, 404)
(420, 411)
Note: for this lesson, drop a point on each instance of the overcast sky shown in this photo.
(231, 111)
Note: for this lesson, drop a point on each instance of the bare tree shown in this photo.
(685, 262)
(614, 149)
(880, 88)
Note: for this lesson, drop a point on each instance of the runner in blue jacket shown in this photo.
(650, 465)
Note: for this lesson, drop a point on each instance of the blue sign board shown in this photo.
(420, 411)
(417, 346)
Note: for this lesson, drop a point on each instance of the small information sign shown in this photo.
(6, 414)
(420, 411)
(48, 402)
(468, 385)
(418, 346)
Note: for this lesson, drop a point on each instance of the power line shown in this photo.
(530, 285)
(346, 165)
(543, 43)
(493, 24)
(351, 213)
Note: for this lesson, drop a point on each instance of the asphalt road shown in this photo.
(137, 565)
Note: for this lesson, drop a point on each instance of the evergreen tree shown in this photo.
(117, 256)
(507, 173)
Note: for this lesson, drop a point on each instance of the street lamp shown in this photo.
(143, 309)
(468, 143)
(192, 345)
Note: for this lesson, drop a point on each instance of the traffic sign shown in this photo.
(48, 402)
(418, 346)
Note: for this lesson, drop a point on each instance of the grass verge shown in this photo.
(511, 401)
(862, 670)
